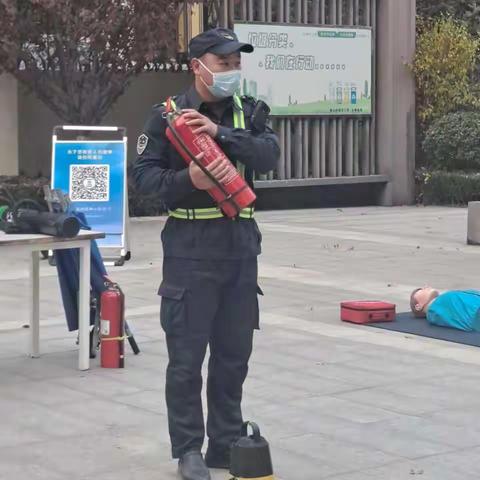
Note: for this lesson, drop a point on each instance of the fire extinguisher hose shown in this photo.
(228, 196)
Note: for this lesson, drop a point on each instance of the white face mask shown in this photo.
(225, 84)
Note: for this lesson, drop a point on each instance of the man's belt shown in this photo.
(206, 213)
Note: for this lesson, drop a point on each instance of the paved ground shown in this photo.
(336, 401)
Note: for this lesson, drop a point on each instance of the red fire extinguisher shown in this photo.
(112, 327)
(232, 194)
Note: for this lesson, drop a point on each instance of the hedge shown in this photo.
(25, 187)
(447, 188)
(453, 142)
(20, 187)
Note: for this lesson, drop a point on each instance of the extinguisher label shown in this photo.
(105, 328)
(231, 176)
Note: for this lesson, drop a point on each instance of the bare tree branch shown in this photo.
(78, 56)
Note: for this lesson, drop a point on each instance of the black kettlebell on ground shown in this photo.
(250, 456)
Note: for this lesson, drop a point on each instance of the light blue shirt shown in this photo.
(458, 309)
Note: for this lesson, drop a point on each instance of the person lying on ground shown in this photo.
(458, 309)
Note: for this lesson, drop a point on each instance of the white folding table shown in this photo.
(32, 245)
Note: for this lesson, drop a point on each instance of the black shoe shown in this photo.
(216, 459)
(191, 466)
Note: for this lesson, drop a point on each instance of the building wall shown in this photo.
(36, 121)
(8, 126)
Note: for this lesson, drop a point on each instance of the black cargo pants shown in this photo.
(207, 303)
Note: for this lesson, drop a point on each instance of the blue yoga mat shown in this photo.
(407, 323)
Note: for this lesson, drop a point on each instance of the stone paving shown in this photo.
(335, 401)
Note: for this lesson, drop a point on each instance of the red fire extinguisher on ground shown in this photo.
(232, 194)
(112, 327)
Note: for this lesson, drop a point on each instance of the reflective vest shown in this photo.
(238, 122)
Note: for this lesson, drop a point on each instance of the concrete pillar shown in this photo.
(473, 229)
(8, 126)
(395, 106)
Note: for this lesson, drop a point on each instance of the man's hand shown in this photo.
(218, 168)
(204, 124)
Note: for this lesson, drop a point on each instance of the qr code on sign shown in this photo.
(89, 183)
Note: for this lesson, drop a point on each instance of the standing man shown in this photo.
(209, 288)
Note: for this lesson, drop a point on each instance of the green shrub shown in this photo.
(453, 142)
(19, 187)
(450, 188)
(465, 10)
(444, 67)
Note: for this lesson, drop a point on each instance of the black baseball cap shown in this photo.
(219, 41)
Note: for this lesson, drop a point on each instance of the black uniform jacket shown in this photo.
(159, 168)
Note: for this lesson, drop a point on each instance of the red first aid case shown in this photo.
(367, 311)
